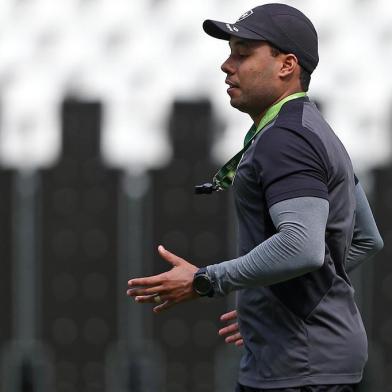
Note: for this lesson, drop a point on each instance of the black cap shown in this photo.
(284, 27)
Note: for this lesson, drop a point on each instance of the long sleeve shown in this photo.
(298, 247)
(366, 240)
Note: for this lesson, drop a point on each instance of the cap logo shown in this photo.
(231, 28)
(244, 16)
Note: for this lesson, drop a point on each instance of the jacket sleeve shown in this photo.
(297, 248)
(366, 240)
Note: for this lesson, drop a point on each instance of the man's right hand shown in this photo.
(232, 331)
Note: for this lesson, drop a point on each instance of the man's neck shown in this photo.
(257, 117)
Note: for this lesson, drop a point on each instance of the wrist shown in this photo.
(202, 283)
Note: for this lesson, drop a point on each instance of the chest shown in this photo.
(254, 222)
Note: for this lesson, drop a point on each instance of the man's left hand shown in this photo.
(168, 288)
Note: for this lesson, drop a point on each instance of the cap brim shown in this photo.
(222, 30)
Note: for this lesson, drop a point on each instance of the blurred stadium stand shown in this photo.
(79, 253)
(6, 258)
(90, 185)
(379, 278)
(197, 227)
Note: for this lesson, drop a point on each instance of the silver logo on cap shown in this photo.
(231, 28)
(244, 16)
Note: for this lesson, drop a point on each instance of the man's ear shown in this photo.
(289, 65)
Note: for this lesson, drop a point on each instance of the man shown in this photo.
(303, 220)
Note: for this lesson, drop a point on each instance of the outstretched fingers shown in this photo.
(163, 306)
(145, 291)
(148, 281)
(229, 329)
(166, 289)
(233, 338)
(231, 332)
(229, 316)
(239, 342)
(173, 259)
(149, 299)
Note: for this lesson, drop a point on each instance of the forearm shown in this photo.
(366, 240)
(297, 248)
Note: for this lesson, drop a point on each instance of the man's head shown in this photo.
(274, 48)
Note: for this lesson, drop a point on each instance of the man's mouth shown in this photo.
(231, 85)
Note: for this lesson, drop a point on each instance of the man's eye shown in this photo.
(239, 55)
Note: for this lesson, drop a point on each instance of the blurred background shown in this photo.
(110, 112)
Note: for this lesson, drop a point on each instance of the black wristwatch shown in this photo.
(202, 283)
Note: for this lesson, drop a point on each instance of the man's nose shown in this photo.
(228, 66)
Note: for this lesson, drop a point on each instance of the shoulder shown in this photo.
(293, 123)
(288, 140)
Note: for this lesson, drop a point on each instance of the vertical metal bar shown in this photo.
(133, 363)
(227, 358)
(25, 364)
(25, 270)
(134, 190)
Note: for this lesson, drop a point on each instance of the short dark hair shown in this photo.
(304, 76)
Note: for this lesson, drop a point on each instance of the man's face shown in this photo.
(252, 75)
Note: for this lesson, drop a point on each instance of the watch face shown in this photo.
(202, 284)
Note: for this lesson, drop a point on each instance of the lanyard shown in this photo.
(225, 176)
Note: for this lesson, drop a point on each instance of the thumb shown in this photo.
(170, 257)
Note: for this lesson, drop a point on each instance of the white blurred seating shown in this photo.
(138, 56)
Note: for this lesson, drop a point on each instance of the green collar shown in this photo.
(269, 115)
(225, 176)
